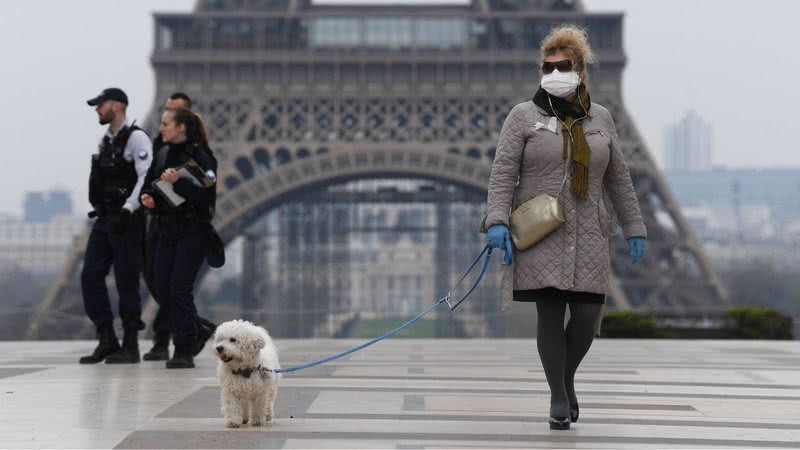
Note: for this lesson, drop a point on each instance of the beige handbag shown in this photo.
(535, 219)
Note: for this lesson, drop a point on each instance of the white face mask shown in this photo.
(561, 84)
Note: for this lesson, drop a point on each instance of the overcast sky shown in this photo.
(732, 61)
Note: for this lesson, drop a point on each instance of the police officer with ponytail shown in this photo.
(185, 230)
(161, 325)
(117, 176)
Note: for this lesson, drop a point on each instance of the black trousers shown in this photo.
(161, 321)
(180, 253)
(124, 252)
(161, 324)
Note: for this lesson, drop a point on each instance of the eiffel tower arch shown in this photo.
(300, 96)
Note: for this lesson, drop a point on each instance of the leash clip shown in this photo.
(447, 300)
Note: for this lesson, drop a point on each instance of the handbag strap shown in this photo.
(566, 162)
(569, 150)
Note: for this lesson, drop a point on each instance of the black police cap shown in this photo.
(115, 94)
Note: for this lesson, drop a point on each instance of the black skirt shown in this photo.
(550, 294)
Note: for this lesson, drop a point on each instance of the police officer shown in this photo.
(161, 338)
(116, 179)
(184, 230)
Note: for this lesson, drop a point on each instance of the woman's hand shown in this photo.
(147, 201)
(636, 248)
(497, 237)
(170, 175)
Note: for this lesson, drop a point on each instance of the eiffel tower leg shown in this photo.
(443, 258)
(674, 275)
(249, 282)
(61, 314)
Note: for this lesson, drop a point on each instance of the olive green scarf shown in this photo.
(571, 114)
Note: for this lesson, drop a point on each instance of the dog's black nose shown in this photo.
(220, 348)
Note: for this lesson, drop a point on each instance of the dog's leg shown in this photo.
(232, 410)
(272, 392)
(257, 411)
(246, 410)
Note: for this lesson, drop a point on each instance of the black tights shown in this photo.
(561, 351)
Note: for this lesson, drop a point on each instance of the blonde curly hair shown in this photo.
(571, 40)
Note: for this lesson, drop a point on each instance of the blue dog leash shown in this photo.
(446, 299)
(488, 251)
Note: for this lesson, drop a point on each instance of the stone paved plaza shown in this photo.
(415, 394)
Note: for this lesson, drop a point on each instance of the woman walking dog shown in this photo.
(562, 145)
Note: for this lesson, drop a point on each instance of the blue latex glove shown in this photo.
(497, 237)
(636, 248)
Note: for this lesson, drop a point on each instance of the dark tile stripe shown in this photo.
(412, 403)
(294, 400)
(46, 360)
(751, 374)
(598, 371)
(756, 365)
(205, 403)
(276, 439)
(8, 372)
(201, 439)
(526, 419)
(542, 380)
(456, 391)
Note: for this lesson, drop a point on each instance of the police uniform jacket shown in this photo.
(200, 201)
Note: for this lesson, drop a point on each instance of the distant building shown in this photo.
(743, 216)
(39, 247)
(43, 206)
(687, 144)
(779, 254)
(392, 273)
(725, 222)
(776, 189)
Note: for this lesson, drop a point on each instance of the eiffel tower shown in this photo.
(299, 95)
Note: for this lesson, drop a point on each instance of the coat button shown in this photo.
(571, 247)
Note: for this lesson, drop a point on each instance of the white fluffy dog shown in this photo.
(246, 354)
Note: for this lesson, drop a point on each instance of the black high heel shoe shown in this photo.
(574, 413)
(559, 423)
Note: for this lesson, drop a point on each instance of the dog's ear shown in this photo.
(259, 342)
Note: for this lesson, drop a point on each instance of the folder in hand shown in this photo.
(189, 170)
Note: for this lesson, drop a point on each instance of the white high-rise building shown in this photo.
(687, 144)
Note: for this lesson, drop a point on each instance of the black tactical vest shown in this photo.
(113, 178)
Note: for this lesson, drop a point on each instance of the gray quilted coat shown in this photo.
(576, 256)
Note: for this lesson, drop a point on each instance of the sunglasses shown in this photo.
(562, 66)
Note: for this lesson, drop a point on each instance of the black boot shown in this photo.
(108, 344)
(160, 350)
(559, 423)
(129, 353)
(205, 329)
(182, 359)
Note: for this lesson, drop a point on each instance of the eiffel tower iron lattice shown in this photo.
(299, 96)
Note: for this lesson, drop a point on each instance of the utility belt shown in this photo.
(110, 211)
(189, 216)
